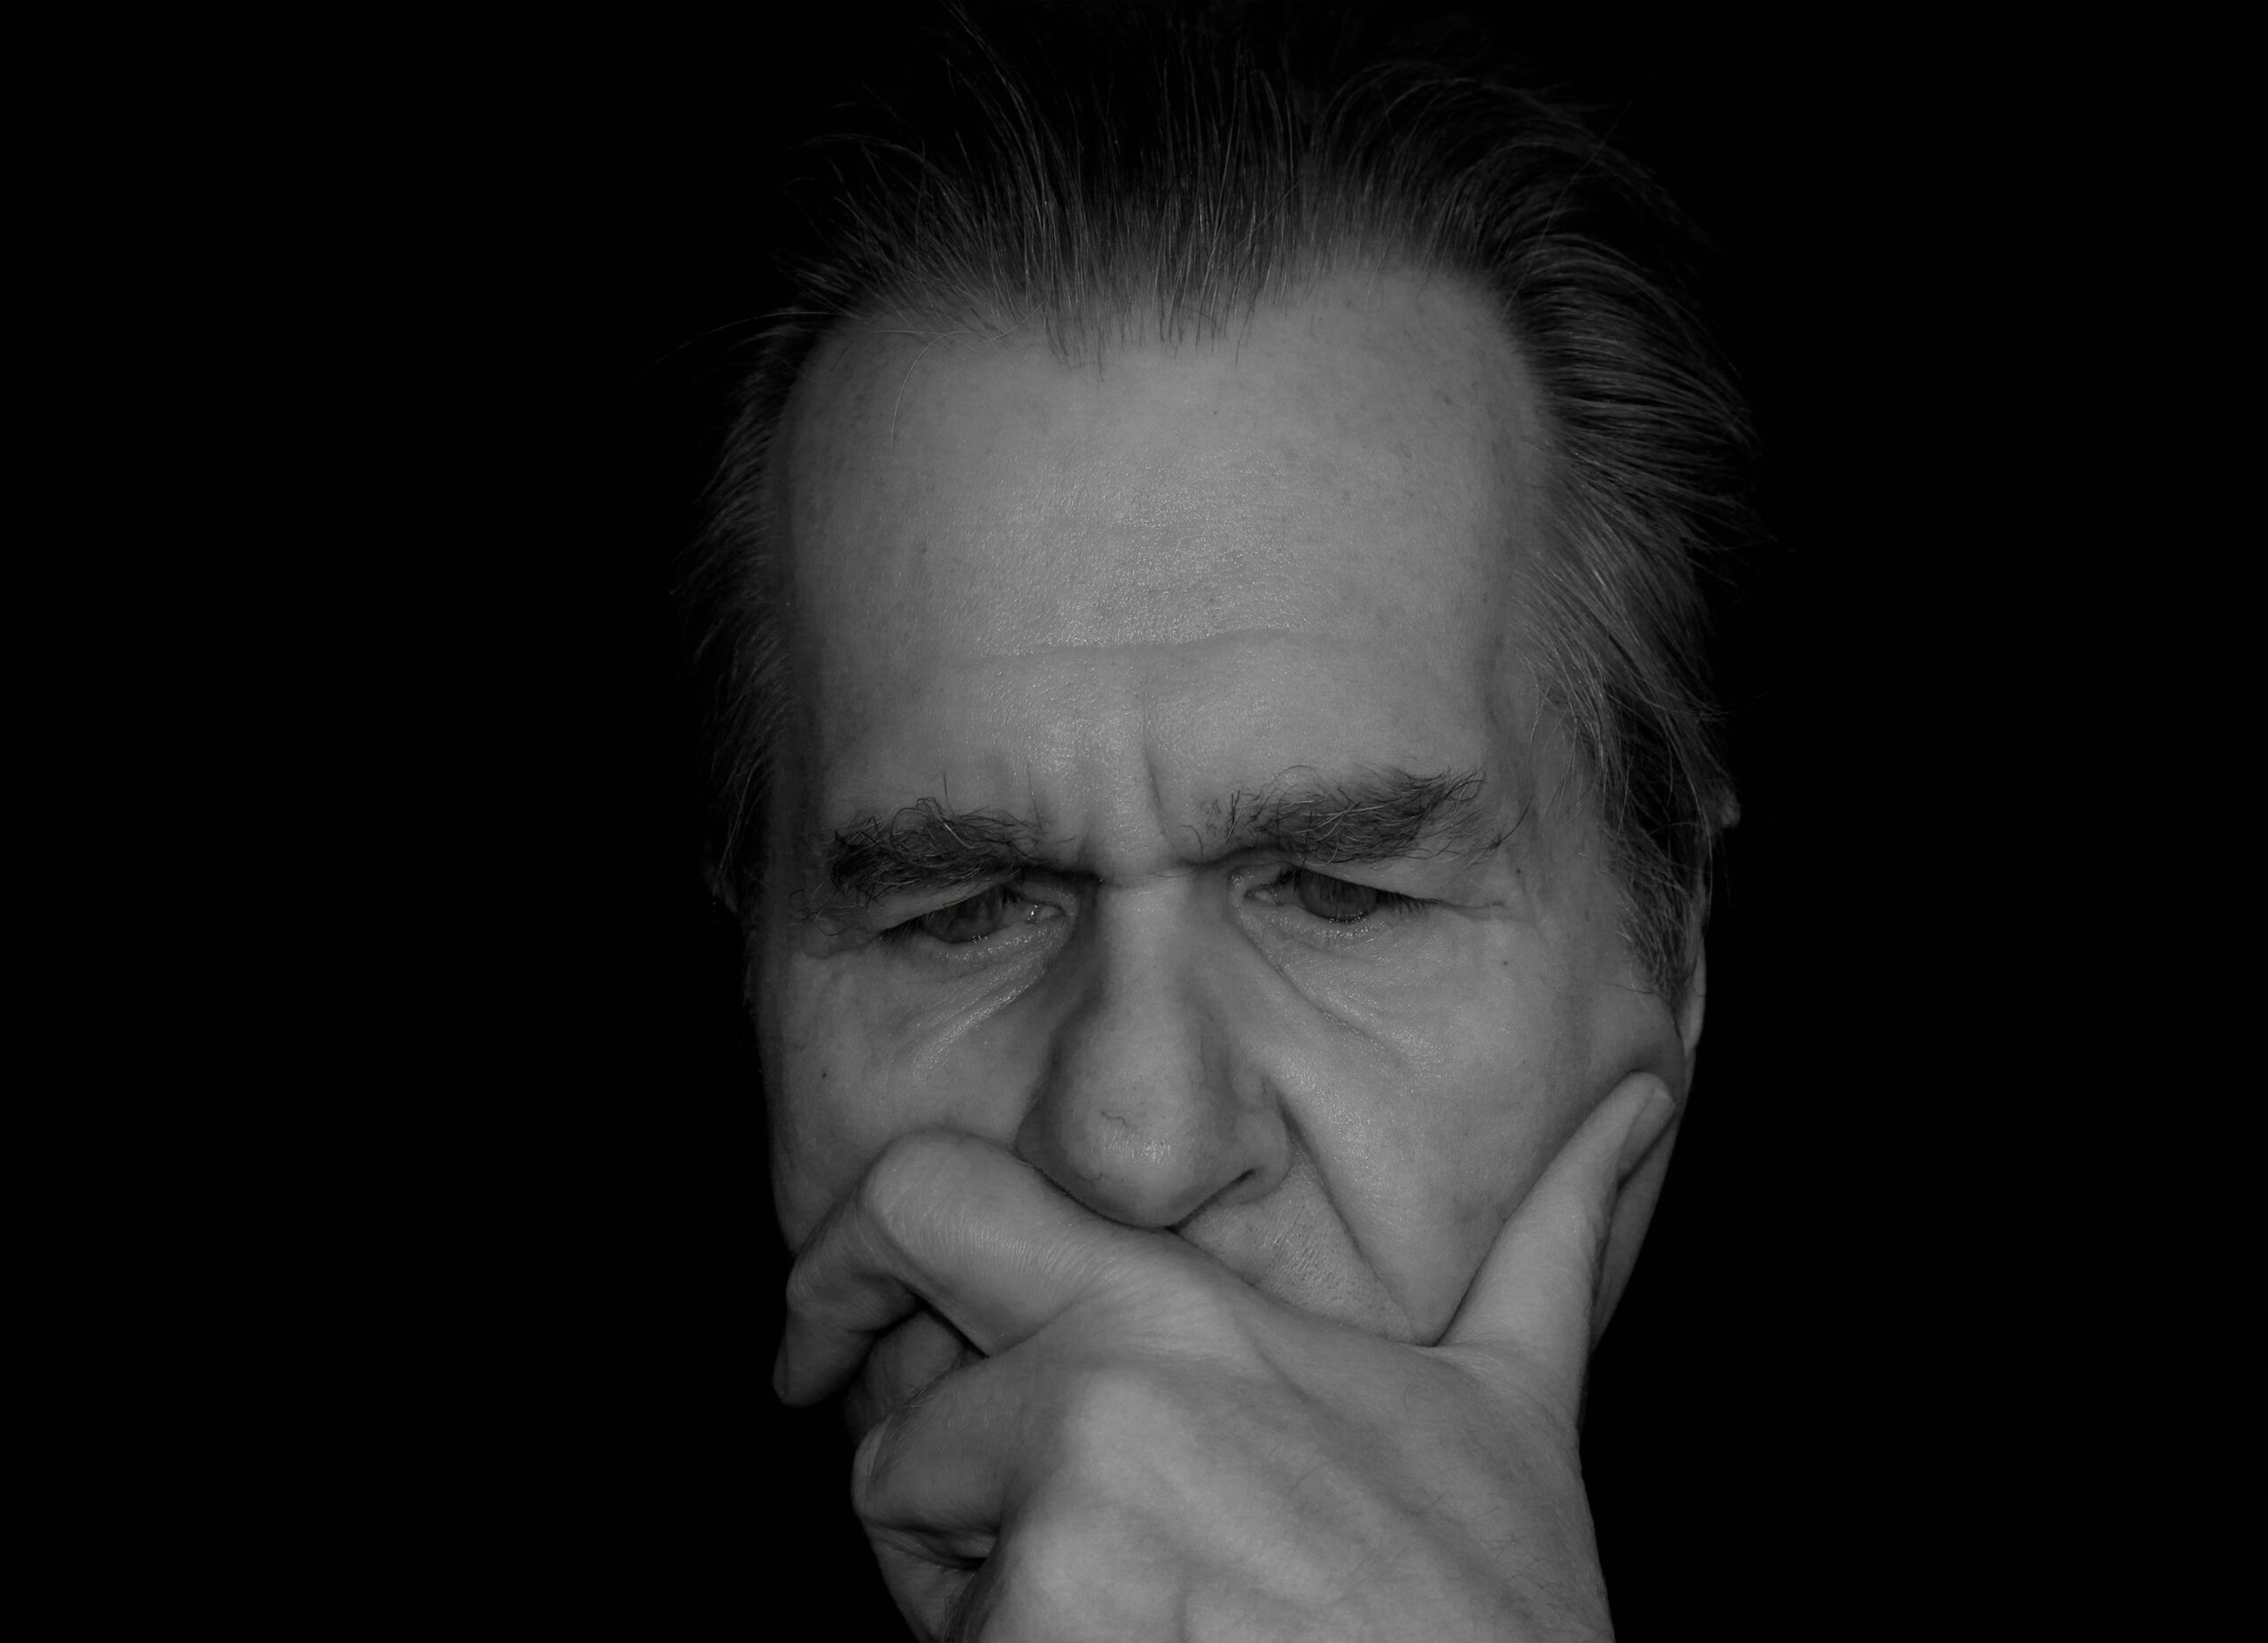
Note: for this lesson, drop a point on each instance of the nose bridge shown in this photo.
(1146, 1112)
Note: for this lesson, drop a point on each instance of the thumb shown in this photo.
(1536, 1287)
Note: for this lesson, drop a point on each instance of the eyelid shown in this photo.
(909, 903)
(1391, 902)
(1365, 874)
(920, 903)
(907, 928)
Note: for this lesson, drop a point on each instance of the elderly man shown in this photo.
(1214, 770)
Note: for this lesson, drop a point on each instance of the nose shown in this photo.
(1146, 1112)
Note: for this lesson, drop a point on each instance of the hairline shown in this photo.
(1642, 425)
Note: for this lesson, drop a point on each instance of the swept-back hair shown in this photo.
(1106, 170)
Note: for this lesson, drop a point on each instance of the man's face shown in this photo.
(1169, 802)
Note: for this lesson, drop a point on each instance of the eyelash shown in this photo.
(911, 927)
(1386, 907)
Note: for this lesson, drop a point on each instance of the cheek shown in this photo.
(1492, 1079)
(831, 1098)
(1483, 1146)
(821, 1137)
(844, 1075)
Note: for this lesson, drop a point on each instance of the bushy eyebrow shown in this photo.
(1373, 816)
(1368, 816)
(925, 847)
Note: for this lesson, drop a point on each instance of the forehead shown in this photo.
(1311, 521)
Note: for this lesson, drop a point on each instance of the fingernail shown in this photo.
(779, 1373)
(1647, 1127)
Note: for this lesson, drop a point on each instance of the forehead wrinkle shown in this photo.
(868, 656)
(1102, 650)
(1382, 447)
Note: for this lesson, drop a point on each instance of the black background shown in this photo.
(1947, 1319)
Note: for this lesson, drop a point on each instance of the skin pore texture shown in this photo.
(1155, 654)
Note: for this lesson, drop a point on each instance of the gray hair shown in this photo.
(1099, 167)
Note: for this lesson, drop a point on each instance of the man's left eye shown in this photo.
(1339, 900)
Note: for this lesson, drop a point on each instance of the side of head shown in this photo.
(1235, 511)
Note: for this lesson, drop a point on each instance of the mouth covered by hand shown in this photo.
(1071, 1428)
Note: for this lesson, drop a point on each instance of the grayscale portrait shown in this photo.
(1216, 767)
(1425, 875)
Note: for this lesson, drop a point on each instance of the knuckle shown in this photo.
(803, 1287)
(871, 1471)
(878, 1465)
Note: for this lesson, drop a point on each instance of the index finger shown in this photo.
(953, 1220)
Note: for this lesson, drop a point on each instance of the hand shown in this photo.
(1149, 1448)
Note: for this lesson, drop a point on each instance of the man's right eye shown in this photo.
(979, 918)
